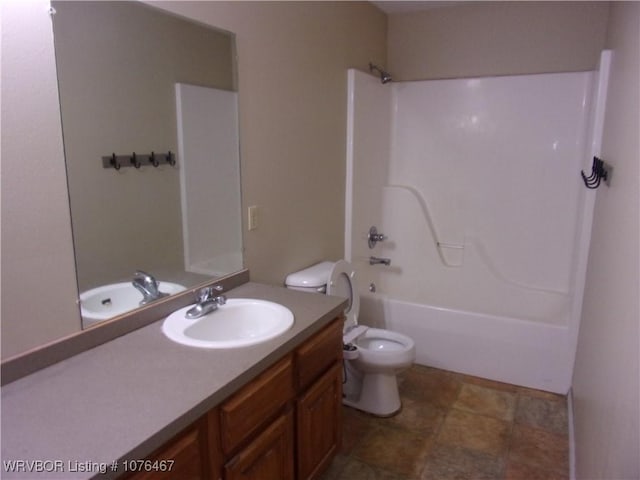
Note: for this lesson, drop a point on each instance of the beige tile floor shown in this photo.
(457, 427)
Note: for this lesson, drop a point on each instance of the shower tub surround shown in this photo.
(476, 183)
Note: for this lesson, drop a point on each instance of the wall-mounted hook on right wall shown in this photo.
(599, 171)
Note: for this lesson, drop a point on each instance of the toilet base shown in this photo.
(378, 394)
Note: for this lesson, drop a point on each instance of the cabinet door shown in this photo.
(184, 457)
(319, 425)
(318, 353)
(246, 412)
(268, 457)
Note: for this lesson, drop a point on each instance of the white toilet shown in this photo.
(373, 356)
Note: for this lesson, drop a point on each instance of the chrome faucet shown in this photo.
(207, 302)
(379, 261)
(147, 286)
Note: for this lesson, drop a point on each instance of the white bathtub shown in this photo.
(520, 352)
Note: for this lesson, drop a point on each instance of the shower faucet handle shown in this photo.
(374, 237)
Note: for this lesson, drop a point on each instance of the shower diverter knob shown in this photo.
(375, 237)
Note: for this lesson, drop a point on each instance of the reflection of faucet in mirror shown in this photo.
(147, 286)
(207, 302)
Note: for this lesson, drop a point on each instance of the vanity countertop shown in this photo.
(125, 398)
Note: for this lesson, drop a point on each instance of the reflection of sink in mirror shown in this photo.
(102, 303)
(238, 323)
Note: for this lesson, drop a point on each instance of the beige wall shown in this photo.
(38, 278)
(496, 38)
(292, 62)
(606, 375)
(292, 69)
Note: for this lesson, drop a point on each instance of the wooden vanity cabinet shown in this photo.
(248, 410)
(269, 455)
(256, 426)
(319, 401)
(190, 455)
(284, 425)
(319, 424)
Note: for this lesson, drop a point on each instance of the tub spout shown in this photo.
(379, 261)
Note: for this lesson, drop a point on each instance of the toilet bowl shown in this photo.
(372, 356)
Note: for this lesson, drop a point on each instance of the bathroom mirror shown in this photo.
(134, 79)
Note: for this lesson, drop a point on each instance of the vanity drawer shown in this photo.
(254, 404)
(318, 353)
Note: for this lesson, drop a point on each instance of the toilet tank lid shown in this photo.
(313, 276)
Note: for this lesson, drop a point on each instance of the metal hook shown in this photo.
(154, 161)
(114, 162)
(591, 182)
(134, 160)
(599, 171)
(171, 160)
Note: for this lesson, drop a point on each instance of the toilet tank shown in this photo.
(311, 279)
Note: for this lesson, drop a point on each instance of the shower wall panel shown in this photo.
(497, 161)
(478, 190)
(368, 155)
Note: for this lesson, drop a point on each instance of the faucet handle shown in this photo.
(205, 294)
(374, 237)
(208, 293)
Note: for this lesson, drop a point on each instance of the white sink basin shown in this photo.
(238, 323)
(102, 303)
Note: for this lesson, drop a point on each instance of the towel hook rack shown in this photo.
(599, 171)
(137, 160)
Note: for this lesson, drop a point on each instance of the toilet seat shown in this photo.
(378, 347)
(379, 344)
(342, 283)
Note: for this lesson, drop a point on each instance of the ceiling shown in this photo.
(401, 6)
